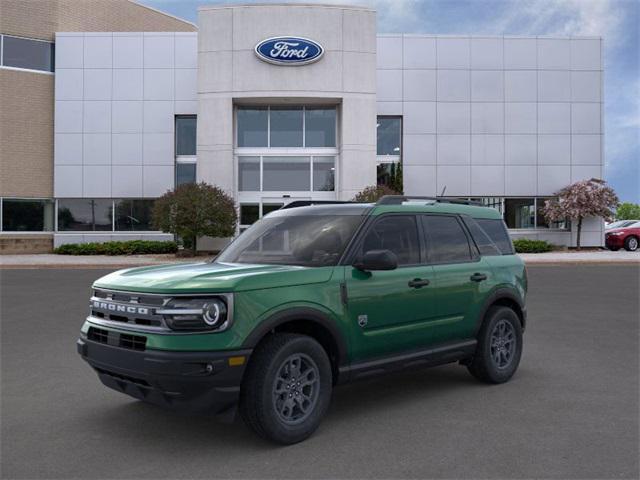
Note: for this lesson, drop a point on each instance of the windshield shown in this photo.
(304, 240)
(621, 224)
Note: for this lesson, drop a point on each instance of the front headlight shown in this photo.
(616, 233)
(184, 314)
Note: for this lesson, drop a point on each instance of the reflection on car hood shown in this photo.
(211, 277)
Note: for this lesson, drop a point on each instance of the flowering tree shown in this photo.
(586, 198)
(195, 210)
(373, 193)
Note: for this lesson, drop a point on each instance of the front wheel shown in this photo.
(287, 388)
(499, 346)
(631, 244)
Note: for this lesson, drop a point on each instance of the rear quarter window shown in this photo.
(497, 232)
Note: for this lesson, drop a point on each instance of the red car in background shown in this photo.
(626, 237)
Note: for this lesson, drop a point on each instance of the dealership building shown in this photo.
(119, 103)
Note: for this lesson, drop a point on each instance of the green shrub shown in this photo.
(131, 247)
(524, 245)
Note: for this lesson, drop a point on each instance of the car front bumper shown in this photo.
(204, 382)
(614, 241)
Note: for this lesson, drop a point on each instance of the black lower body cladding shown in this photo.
(199, 382)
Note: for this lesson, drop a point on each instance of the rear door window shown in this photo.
(447, 241)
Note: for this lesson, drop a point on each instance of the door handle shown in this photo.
(418, 282)
(478, 277)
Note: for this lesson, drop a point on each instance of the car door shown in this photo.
(461, 276)
(389, 311)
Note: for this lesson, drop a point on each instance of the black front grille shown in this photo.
(98, 335)
(132, 342)
(122, 340)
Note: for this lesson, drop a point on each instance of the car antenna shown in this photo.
(444, 189)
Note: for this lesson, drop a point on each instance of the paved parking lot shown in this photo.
(570, 412)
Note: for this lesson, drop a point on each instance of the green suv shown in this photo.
(308, 298)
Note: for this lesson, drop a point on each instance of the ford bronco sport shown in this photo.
(308, 298)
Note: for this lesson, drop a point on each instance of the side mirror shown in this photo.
(377, 260)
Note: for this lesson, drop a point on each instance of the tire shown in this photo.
(631, 243)
(268, 402)
(488, 364)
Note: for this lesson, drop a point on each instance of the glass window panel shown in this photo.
(285, 125)
(249, 213)
(185, 173)
(22, 215)
(186, 135)
(26, 53)
(270, 207)
(84, 214)
(519, 212)
(320, 127)
(133, 215)
(249, 174)
(389, 132)
(484, 243)
(324, 169)
(447, 241)
(497, 232)
(252, 126)
(398, 234)
(492, 202)
(286, 173)
(542, 221)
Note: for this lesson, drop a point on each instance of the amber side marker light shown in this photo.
(236, 361)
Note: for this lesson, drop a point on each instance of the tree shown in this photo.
(195, 210)
(628, 211)
(586, 198)
(373, 193)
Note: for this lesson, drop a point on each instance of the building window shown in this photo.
(543, 222)
(186, 135)
(519, 212)
(26, 53)
(389, 152)
(491, 202)
(86, 215)
(185, 173)
(320, 127)
(251, 212)
(249, 174)
(133, 215)
(186, 161)
(324, 169)
(286, 127)
(27, 215)
(286, 173)
(389, 134)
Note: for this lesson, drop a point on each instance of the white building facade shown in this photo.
(504, 120)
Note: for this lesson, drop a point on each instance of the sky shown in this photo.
(617, 21)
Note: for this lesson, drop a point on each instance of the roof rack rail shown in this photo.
(308, 203)
(399, 199)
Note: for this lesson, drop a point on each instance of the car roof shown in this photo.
(410, 206)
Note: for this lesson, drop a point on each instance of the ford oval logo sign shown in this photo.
(289, 51)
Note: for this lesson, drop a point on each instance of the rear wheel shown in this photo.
(631, 244)
(499, 346)
(287, 388)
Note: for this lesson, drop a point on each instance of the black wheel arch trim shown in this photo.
(502, 293)
(300, 314)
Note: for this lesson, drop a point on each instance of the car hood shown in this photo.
(211, 277)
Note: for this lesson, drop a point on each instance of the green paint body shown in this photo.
(399, 318)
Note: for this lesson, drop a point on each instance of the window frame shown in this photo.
(474, 253)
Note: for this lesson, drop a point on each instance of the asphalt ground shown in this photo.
(571, 411)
